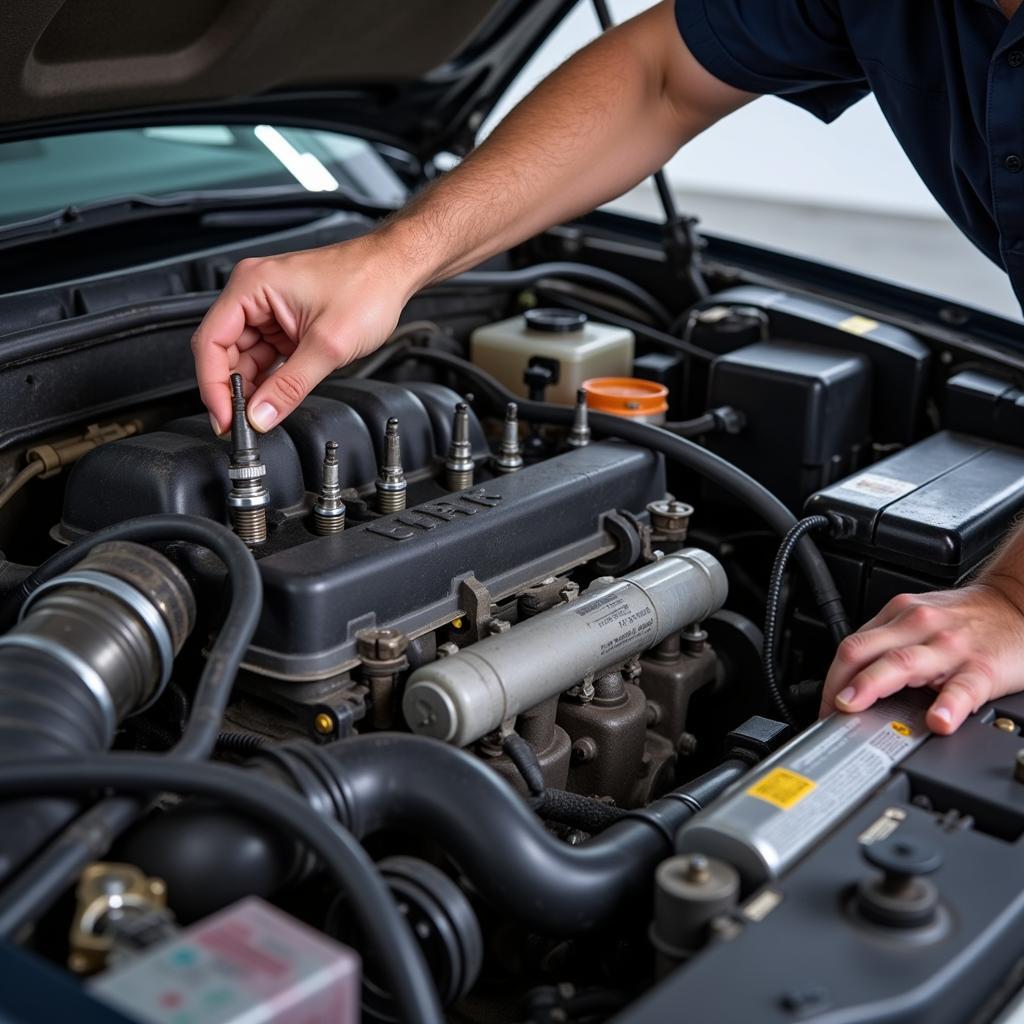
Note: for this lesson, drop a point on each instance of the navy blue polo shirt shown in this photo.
(948, 75)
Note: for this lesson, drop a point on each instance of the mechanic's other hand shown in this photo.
(316, 310)
(966, 644)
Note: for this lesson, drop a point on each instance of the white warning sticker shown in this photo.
(879, 486)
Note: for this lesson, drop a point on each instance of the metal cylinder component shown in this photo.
(510, 455)
(465, 696)
(391, 483)
(689, 891)
(579, 433)
(458, 467)
(248, 499)
(801, 792)
(329, 509)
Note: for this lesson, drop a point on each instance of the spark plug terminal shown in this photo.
(329, 509)
(510, 455)
(248, 499)
(579, 434)
(391, 483)
(458, 467)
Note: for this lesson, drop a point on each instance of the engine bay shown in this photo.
(478, 682)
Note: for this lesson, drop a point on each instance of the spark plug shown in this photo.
(248, 499)
(329, 510)
(510, 457)
(579, 434)
(391, 484)
(458, 468)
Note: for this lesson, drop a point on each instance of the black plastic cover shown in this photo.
(938, 507)
(899, 360)
(981, 404)
(807, 412)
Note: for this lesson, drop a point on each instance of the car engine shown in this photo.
(482, 687)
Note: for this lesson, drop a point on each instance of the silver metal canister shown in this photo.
(774, 816)
(467, 695)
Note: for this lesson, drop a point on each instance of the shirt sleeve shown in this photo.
(795, 49)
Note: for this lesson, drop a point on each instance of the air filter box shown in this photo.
(807, 411)
(922, 519)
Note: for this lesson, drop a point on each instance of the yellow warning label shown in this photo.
(901, 727)
(857, 324)
(782, 788)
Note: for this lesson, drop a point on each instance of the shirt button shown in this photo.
(1015, 58)
(1013, 163)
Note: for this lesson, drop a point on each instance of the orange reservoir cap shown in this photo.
(643, 400)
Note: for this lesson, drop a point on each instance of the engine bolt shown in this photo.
(391, 484)
(697, 871)
(510, 456)
(579, 435)
(329, 510)
(248, 499)
(1005, 724)
(458, 467)
(324, 724)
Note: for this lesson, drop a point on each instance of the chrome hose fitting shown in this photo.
(510, 454)
(391, 484)
(579, 434)
(248, 499)
(458, 467)
(329, 509)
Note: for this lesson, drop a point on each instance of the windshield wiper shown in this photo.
(124, 209)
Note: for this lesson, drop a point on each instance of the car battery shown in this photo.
(922, 519)
(807, 414)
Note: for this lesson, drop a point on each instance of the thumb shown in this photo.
(286, 387)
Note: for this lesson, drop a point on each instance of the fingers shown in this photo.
(904, 623)
(283, 390)
(916, 665)
(220, 330)
(959, 697)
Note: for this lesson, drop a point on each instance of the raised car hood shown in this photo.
(418, 73)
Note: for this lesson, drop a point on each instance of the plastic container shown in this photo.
(580, 348)
(645, 401)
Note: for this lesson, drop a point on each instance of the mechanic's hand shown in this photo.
(316, 310)
(966, 644)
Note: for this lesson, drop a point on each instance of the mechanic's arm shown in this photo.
(600, 124)
(968, 644)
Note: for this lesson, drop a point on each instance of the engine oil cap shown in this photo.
(627, 396)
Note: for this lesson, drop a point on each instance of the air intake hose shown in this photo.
(93, 646)
(417, 785)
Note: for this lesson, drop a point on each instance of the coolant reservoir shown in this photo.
(581, 348)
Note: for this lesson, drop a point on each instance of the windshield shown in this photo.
(38, 176)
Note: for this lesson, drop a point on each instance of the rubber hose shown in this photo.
(527, 276)
(55, 869)
(391, 941)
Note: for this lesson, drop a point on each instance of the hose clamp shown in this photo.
(136, 601)
(81, 669)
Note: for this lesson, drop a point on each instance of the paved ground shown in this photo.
(930, 255)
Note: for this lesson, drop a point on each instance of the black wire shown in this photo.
(524, 757)
(244, 744)
(678, 449)
(771, 615)
(391, 941)
(36, 888)
(527, 276)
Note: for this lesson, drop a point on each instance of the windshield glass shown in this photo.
(38, 176)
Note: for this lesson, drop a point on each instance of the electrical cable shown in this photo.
(389, 937)
(32, 470)
(678, 449)
(771, 617)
